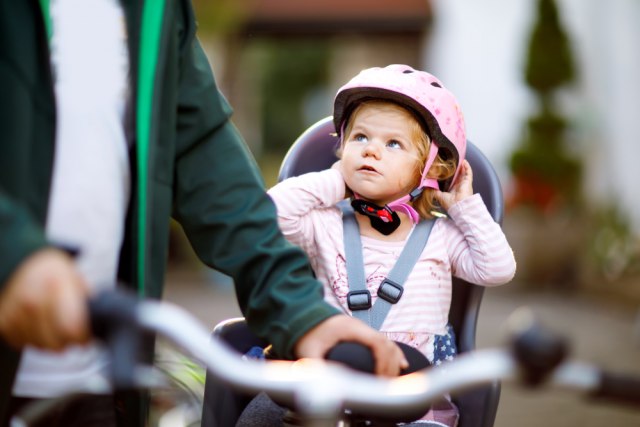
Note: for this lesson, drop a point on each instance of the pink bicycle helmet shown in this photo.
(424, 95)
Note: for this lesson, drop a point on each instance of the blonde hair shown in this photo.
(442, 168)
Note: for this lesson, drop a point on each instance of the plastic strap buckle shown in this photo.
(359, 300)
(390, 291)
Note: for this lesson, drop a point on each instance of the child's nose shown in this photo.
(371, 149)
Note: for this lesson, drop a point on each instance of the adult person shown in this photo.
(111, 124)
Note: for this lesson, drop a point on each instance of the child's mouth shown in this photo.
(368, 169)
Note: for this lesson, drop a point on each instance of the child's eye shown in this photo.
(360, 137)
(394, 144)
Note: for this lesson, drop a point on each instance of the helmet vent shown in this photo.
(436, 84)
(407, 72)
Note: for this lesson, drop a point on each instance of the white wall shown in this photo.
(478, 50)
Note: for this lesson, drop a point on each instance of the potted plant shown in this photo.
(542, 222)
(546, 175)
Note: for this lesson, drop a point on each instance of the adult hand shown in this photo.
(43, 303)
(461, 188)
(318, 341)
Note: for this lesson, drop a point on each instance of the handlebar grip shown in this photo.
(623, 389)
(360, 357)
(108, 310)
(112, 316)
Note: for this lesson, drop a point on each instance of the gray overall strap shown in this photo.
(391, 288)
(359, 298)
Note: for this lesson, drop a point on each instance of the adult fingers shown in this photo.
(319, 340)
(44, 303)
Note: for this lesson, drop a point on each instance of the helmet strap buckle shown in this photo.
(383, 218)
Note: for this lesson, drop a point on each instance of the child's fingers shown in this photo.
(444, 199)
(468, 172)
(463, 185)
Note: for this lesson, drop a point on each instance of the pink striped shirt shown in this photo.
(468, 244)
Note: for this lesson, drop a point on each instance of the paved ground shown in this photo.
(604, 333)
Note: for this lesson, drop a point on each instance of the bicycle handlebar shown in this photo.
(317, 387)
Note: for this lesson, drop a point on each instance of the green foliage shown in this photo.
(219, 16)
(549, 63)
(615, 249)
(541, 156)
(291, 70)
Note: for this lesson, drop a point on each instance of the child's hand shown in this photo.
(461, 189)
(338, 166)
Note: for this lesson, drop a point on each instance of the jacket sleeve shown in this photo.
(220, 201)
(21, 236)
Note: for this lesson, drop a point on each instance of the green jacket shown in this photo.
(188, 162)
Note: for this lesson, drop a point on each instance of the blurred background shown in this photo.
(550, 93)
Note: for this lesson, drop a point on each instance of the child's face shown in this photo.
(380, 161)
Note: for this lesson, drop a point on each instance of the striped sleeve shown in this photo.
(479, 250)
(298, 197)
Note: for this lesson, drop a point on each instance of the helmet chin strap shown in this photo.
(384, 218)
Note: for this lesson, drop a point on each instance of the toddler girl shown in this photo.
(402, 147)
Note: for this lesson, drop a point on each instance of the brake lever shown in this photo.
(537, 350)
(113, 319)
